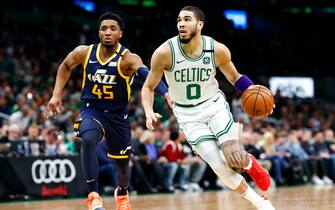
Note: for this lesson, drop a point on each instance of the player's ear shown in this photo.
(121, 33)
(201, 24)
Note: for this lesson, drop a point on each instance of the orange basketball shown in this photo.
(257, 101)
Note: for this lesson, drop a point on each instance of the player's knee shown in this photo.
(218, 168)
(90, 132)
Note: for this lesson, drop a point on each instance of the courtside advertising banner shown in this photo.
(44, 176)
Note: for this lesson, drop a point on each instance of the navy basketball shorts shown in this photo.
(116, 130)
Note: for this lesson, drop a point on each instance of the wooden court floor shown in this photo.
(290, 198)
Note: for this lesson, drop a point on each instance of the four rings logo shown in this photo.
(56, 171)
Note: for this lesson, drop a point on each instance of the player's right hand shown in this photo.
(151, 119)
(54, 107)
(168, 100)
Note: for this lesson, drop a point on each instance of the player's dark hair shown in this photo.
(198, 13)
(111, 16)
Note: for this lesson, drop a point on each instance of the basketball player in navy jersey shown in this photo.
(108, 71)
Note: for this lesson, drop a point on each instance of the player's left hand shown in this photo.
(152, 118)
(168, 99)
(274, 106)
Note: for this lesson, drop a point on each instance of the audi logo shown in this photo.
(56, 171)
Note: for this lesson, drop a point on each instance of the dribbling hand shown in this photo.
(274, 105)
(54, 107)
(152, 118)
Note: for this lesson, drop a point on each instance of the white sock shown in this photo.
(253, 197)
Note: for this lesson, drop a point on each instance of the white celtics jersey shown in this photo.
(192, 80)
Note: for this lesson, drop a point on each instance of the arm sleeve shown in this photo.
(142, 74)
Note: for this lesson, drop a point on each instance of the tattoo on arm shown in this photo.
(235, 156)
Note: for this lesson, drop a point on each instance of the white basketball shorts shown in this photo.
(208, 121)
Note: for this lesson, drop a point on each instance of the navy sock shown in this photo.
(91, 133)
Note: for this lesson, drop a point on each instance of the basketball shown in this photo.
(257, 101)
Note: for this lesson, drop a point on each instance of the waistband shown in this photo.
(194, 105)
(190, 105)
(91, 104)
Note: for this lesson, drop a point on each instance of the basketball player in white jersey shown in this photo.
(189, 62)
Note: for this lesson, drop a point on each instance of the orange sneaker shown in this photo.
(122, 201)
(260, 176)
(94, 201)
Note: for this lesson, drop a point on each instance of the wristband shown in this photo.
(243, 83)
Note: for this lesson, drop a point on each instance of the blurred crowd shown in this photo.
(296, 143)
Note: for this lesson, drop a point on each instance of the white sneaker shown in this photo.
(266, 205)
(316, 180)
(327, 180)
(194, 187)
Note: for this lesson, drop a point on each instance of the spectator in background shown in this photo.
(4, 133)
(50, 137)
(135, 137)
(251, 144)
(159, 142)
(75, 142)
(282, 146)
(22, 117)
(36, 142)
(4, 141)
(330, 144)
(315, 120)
(139, 179)
(297, 152)
(64, 146)
(279, 165)
(322, 151)
(315, 163)
(151, 162)
(17, 146)
(4, 106)
(172, 151)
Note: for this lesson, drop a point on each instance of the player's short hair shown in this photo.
(198, 13)
(111, 16)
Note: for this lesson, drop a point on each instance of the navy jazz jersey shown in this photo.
(104, 86)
